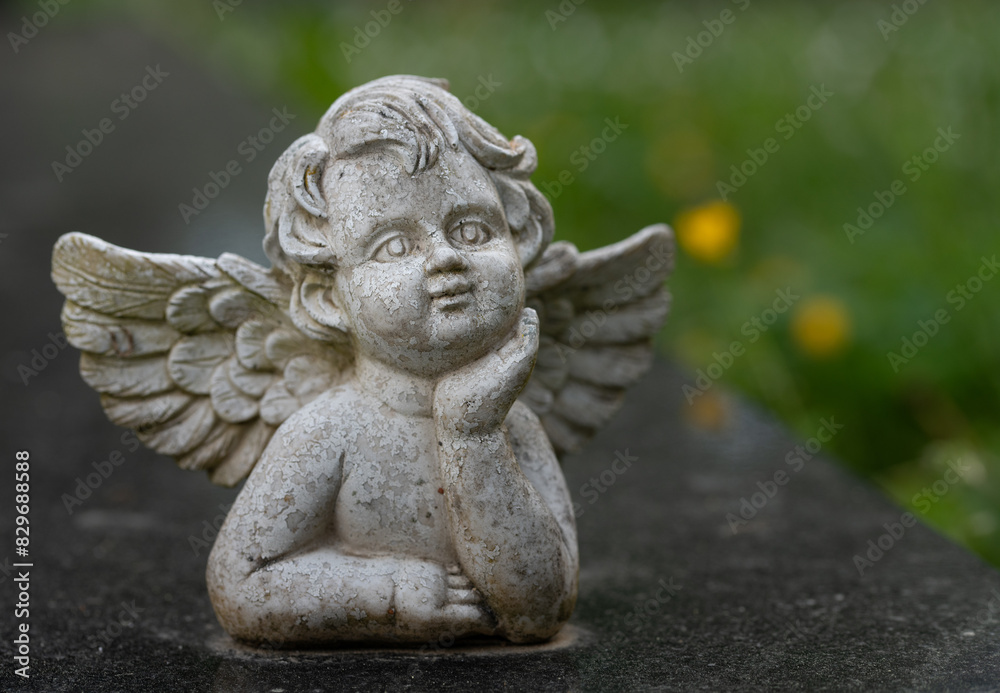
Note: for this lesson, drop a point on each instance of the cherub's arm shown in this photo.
(270, 576)
(508, 505)
(277, 573)
(540, 465)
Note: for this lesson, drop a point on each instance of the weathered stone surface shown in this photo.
(366, 385)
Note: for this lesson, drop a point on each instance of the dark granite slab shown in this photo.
(671, 597)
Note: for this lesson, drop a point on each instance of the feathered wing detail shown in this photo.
(198, 356)
(598, 312)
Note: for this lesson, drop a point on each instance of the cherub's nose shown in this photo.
(444, 258)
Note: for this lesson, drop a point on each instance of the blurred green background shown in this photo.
(701, 88)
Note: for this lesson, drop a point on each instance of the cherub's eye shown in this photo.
(395, 247)
(471, 233)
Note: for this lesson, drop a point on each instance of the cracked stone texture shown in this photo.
(779, 605)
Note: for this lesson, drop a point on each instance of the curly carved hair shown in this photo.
(417, 118)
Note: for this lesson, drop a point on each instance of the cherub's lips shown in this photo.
(450, 288)
(451, 294)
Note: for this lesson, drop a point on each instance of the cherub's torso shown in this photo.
(387, 467)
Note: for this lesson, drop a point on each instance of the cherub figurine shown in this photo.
(395, 389)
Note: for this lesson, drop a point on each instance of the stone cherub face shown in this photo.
(427, 272)
(395, 391)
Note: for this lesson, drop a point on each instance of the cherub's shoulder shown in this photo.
(312, 441)
(334, 415)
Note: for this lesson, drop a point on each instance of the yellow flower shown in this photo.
(821, 326)
(709, 232)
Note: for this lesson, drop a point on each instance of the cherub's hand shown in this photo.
(477, 397)
(460, 588)
(430, 596)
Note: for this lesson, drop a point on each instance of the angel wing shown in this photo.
(198, 356)
(598, 312)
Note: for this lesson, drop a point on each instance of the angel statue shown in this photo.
(396, 390)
